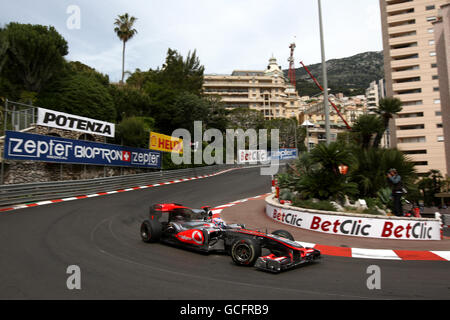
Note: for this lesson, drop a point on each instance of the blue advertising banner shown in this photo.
(35, 147)
(284, 154)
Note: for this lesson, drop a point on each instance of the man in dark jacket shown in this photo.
(395, 180)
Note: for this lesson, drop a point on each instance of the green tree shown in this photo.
(134, 131)
(431, 185)
(35, 54)
(4, 44)
(82, 93)
(139, 78)
(182, 74)
(365, 127)
(371, 165)
(387, 109)
(242, 118)
(288, 129)
(322, 179)
(129, 102)
(125, 31)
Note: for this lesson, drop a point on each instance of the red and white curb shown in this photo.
(46, 202)
(382, 254)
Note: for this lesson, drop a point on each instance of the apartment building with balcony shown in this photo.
(266, 91)
(411, 73)
(351, 108)
(374, 94)
(442, 38)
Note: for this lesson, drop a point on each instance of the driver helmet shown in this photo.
(218, 222)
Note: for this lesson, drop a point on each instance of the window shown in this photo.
(412, 140)
(438, 113)
(434, 65)
(412, 103)
(432, 7)
(412, 91)
(432, 54)
(436, 89)
(405, 57)
(440, 138)
(404, 45)
(402, 23)
(420, 163)
(415, 151)
(431, 42)
(431, 19)
(436, 77)
(412, 127)
(439, 125)
(411, 115)
(437, 101)
(430, 30)
(401, 69)
(413, 79)
(403, 34)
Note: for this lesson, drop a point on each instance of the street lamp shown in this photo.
(325, 77)
(307, 124)
(343, 169)
(295, 129)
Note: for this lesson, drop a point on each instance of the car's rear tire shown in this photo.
(245, 252)
(284, 234)
(151, 231)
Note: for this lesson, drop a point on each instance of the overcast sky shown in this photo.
(227, 34)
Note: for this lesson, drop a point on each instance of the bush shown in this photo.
(315, 205)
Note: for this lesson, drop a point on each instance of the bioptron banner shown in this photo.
(35, 147)
(61, 120)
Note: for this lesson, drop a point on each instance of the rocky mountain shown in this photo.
(351, 75)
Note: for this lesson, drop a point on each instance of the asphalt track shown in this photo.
(101, 236)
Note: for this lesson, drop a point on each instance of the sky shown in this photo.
(227, 34)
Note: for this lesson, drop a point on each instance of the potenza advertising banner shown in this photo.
(35, 147)
(357, 226)
(61, 120)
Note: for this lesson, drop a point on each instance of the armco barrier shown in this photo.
(31, 192)
(358, 225)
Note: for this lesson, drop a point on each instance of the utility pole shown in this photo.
(325, 77)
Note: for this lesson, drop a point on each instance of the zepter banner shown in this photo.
(61, 120)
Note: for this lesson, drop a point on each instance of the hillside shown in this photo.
(351, 75)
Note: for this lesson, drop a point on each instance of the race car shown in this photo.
(201, 230)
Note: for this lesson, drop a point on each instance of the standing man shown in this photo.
(395, 181)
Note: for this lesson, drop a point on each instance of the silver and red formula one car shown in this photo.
(201, 230)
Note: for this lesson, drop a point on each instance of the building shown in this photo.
(411, 73)
(374, 94)
(442, 39)
(267, 91)
(351, 108)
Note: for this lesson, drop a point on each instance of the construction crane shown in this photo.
(321, 89)
(291, 74)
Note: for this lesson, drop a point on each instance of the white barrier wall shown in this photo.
(366, 226)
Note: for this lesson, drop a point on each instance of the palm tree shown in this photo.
(387, 109)
(124, 30)
(365, 127)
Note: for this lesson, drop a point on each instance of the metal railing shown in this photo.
(33, 192)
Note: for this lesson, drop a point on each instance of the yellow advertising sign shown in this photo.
(162, 142)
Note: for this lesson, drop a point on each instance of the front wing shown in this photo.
(274, 264)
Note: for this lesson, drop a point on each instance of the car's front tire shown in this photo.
(151, 231)
(245, 252)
